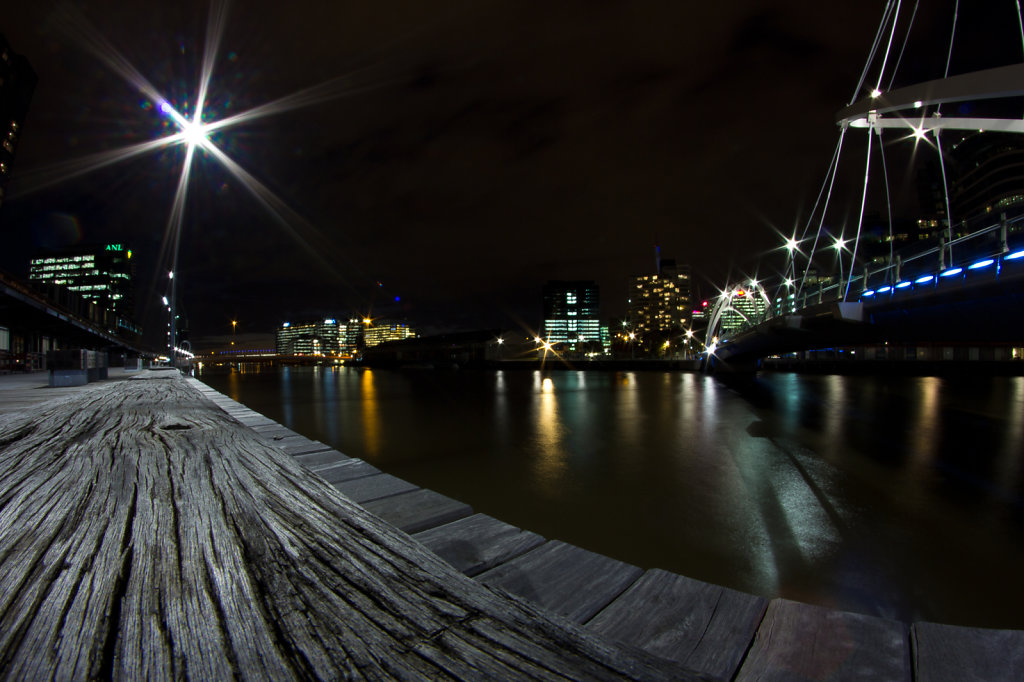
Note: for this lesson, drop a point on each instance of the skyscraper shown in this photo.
(571, 313)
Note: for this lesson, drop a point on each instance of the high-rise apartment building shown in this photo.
(571, 313)
(103, 274)
(17, 82)
(661, 302)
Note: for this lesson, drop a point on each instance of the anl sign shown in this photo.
(115, 247)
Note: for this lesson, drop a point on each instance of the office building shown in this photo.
(745, 306)
(571, 313)
(103, 274)
(377, 332)
(17, 82)
(660, 302)
(320, 338)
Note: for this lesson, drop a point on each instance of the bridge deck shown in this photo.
(243, 538)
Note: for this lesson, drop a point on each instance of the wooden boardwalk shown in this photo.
(145, 532)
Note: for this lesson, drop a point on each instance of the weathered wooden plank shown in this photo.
(369, 488)
(273, 431)
(706, 627)
(566, 579)
(344, 470)
(321, 457)
(949, 653)
(418, 510)
(478, 543)
(803, 642)
(309, 448)
(145, 534)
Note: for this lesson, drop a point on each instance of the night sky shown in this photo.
(452, 155)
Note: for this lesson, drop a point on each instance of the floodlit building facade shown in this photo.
(571, 313)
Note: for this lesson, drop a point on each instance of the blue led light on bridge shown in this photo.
(867, 294)
(981, 264)
(884, 290)
(903, 285)
(924, 280)
(1015, 255)
(951, 272)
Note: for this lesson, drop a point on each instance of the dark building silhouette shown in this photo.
(17, 83)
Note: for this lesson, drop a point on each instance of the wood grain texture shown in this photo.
(376, 487)
(478, 543)
(418, 510)
(144, 534)
(947, 653)
(706, 627)
(564, 578)
(802, 642)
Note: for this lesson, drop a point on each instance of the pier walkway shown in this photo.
(151, 527)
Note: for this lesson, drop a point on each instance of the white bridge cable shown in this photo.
(1020, 22)
(860, 220)
(888, 202)
(906, 39)
(945, 191)
(938, 137)
(834, 169)
(873, 52)
(888, 47)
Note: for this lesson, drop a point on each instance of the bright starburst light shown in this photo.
(192, 132)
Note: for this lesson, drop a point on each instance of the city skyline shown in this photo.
(456, 160)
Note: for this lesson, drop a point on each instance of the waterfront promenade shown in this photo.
(153, 527)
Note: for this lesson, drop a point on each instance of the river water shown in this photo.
(894, 496)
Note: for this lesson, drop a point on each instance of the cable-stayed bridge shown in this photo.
(964, 284)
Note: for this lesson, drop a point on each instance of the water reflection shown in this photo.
(371, 414)
(925, 432)
(883, 495)
(550, 434)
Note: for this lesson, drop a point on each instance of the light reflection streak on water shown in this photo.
(501, 425)
(287, 404)
(687, 408)
(628, 407)
(1013, 446)
(836, 412)
(330, 401)
(926, 428)
(551, 455)
(370, 412)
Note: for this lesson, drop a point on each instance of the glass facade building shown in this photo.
(103, 274)
(571, 313)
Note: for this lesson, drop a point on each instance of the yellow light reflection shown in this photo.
(927, 431)
(370, 413)
(549, 465)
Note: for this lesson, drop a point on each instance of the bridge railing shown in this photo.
(989, 241)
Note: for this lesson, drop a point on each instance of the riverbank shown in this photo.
(263, 475)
